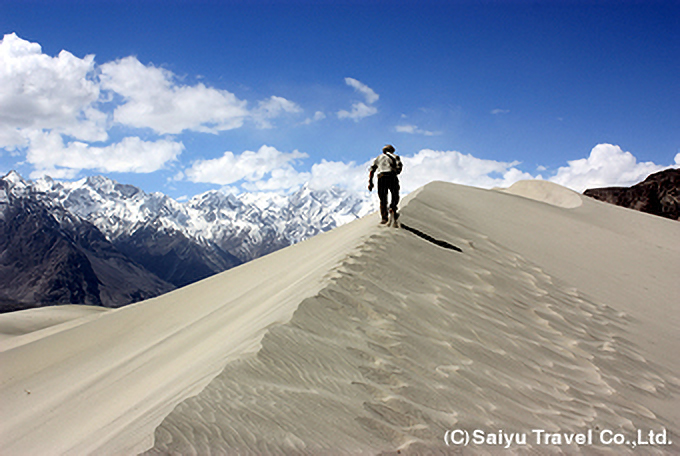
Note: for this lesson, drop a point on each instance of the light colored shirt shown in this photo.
(386, 163)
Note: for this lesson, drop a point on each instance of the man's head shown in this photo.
(388, 148)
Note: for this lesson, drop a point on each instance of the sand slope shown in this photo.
(103, 386)
(372, 340)
(410, 340)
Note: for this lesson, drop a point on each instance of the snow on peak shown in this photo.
(15, 182)
(240, 224)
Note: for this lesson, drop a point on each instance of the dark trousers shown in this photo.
(388, 183)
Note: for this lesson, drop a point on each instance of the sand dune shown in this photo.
(18, 328)
(546, 192)
(555, 316)
(102, 387)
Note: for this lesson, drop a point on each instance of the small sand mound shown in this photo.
(546, 192)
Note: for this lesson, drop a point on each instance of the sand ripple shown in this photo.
(410, 340)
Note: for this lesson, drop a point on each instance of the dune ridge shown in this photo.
(410, 340)
(103, 386)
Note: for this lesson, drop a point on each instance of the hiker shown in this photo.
(388, 165)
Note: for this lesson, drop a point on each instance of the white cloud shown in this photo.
(271, 170)
(53, 108)
(358, 112)
(48, 154)
(411, 129)
(414, 130)
(500, 111)
(252, 167)
(42, 92)
(452, 166)
(360, 109)
(280, 179)
(318, 115)
(65, 94)
(419, 169)
(152, 99)
(332, 173)
(271, 108)
(371, 96)
(608, 165)
(11, 137)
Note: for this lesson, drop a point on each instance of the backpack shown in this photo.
(396, 162)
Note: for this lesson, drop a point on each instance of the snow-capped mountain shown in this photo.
(51, 256)
(180, 243)
(246, 226)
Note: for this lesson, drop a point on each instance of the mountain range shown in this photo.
(96, 241)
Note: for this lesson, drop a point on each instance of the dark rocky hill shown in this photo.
(173, 256)
(659, 194)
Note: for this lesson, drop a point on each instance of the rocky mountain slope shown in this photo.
(659, 194)
(50, 256)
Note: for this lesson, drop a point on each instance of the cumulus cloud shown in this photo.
(267, 168)
(54, 108)
(271, 170)
(280, 179)
(606, 166)
(421, 168)
(49, 155)
(333, 173)
(453, 166)
(153, 99)
(42, 92)
(359, 108)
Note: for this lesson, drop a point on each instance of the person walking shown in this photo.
(388, 166)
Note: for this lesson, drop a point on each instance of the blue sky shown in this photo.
(182, 97)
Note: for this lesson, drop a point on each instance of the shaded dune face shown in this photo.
(408, 340)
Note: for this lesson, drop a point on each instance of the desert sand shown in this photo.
(558, 316)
